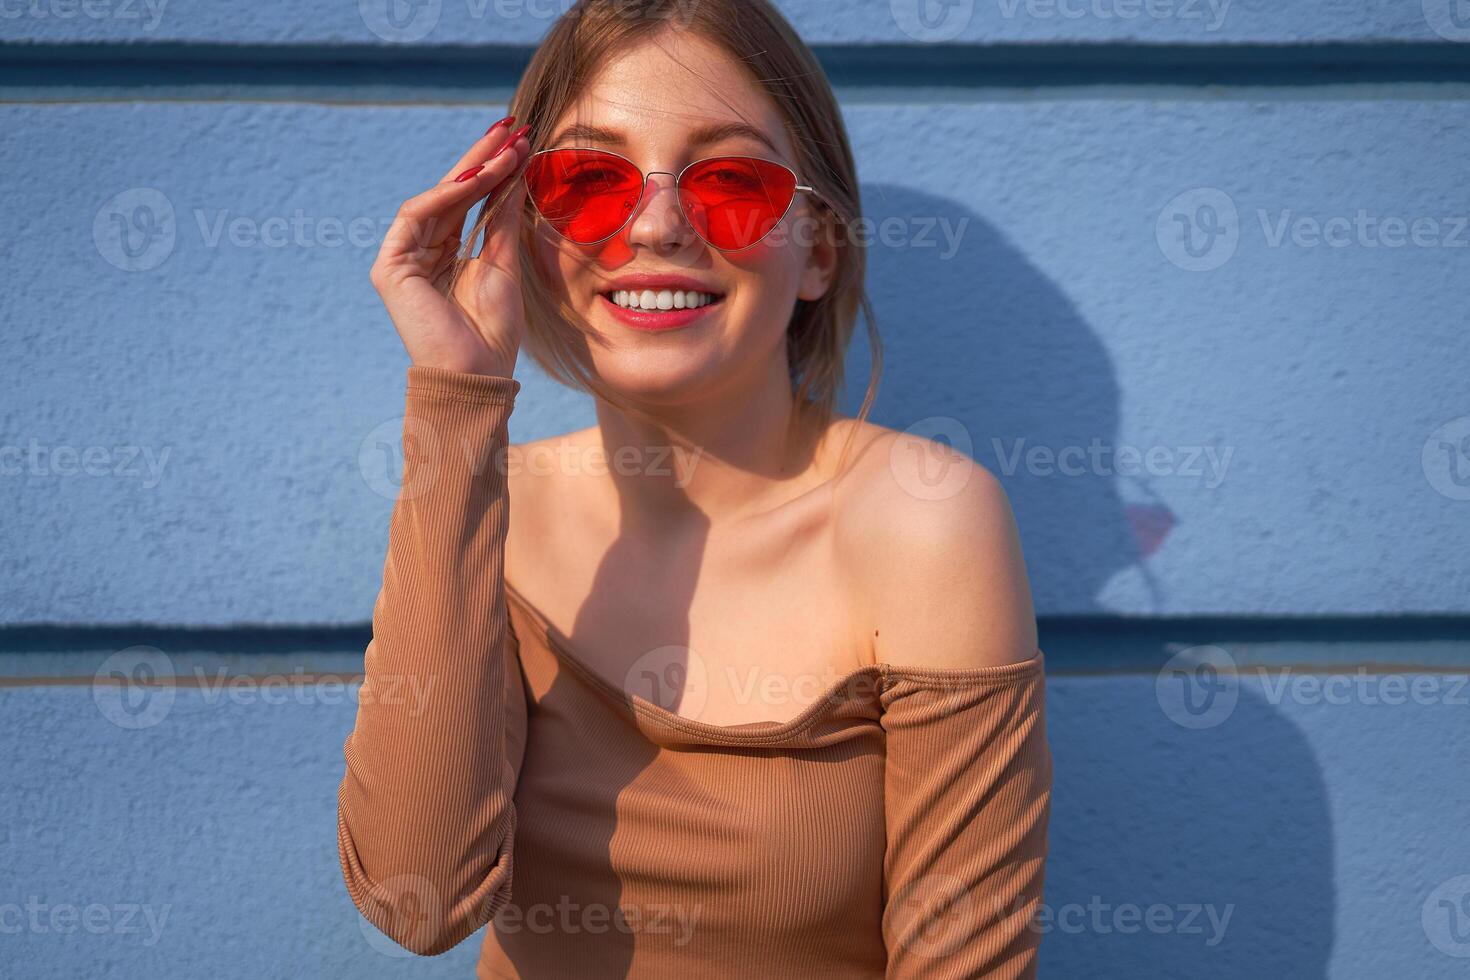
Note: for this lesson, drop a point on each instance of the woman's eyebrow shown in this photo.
(704, 136)
(583, 133)
(719, 132)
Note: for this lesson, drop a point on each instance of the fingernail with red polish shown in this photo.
(504, 122)
(519, 133)
(469, 174)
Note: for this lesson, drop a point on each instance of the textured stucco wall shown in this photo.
(1292, 838)
(452, 22)
(1285, 395)
(1260, 288)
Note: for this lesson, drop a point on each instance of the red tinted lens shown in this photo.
(734, 202)
(586, 195)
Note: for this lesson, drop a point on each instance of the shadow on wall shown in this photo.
(981, 348)
(1184, 853)
(1174, 851)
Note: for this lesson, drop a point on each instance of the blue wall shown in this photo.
(1231, 239)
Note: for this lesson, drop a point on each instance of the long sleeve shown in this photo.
(425, 819)
(967, 799)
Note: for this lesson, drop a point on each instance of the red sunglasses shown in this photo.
(588, 196)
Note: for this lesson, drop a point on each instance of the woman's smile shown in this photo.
(651, 301)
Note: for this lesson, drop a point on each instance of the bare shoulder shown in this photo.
(931, 539)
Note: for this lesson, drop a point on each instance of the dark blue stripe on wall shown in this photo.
(1103, 644)
(221, 640)
(1073, 645)
(486, 73)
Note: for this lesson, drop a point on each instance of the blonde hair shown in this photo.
(756, 35)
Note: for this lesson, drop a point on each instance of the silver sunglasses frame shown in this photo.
(643, 192)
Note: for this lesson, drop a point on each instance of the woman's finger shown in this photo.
(428, 220)
(483, 148)
(474, 170)
(500, 232)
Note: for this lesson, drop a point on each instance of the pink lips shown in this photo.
(656, 281)
(658, 319)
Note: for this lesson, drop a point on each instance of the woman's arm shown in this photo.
(425, 822)
(967, 802)
(968, 772)
(425, 818)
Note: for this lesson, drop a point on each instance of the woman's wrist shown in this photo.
(431, 388)
(488, 366)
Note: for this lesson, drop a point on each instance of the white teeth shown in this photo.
(667, 299)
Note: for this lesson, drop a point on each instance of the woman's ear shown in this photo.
(821, 262)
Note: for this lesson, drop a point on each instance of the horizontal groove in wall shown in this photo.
(1093, 645)
(1390, 644)
(487, 74)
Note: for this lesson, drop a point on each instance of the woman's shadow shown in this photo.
(1172, 849)
(1184, 825)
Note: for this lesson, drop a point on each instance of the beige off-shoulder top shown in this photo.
(895, 829)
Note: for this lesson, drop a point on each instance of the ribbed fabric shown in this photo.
(894, 829)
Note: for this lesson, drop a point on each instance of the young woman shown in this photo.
(728, 685)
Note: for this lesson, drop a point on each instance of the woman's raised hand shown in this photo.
(481, 333)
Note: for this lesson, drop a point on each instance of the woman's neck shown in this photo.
(709, 463)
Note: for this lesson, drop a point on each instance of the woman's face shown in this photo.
(664, 104)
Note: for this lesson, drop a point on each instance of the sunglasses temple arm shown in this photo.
(808, 189)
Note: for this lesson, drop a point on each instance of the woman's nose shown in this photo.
(660, 223)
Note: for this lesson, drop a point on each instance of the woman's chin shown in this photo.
(659, 378)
